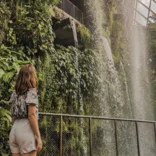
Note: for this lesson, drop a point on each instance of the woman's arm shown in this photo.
(34, 124)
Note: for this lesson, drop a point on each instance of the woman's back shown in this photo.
(19, 103)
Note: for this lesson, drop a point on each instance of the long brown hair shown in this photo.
(26, 79)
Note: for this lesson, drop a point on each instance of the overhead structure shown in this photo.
(144, 10)
(68, 17)
(72, 9)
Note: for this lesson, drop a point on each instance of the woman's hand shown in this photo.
(38, 144)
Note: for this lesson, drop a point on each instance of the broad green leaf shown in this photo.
(1, 73)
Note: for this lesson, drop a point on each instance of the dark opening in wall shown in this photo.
(65, 31)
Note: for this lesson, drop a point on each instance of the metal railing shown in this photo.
(71, 9)
(62, 128)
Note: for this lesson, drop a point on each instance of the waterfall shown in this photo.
(142, 106)
(140, 86)
(117, 97)
(126, 85)
(108, 52)
(110, 93)
(108, 127)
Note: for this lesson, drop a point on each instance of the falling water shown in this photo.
(138, 53)
(132, 102)
(111, 95)
(108, 52)
(140, 85)
(140, 81)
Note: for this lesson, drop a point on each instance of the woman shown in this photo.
(24, 138)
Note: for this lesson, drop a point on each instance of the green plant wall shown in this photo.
(65, 74)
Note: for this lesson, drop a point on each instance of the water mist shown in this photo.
(113, 101)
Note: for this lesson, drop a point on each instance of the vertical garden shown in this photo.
(65, 74)
(71, 80)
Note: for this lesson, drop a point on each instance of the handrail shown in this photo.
(74, 5)
(68, 7)
(90, 118)
(96, 117)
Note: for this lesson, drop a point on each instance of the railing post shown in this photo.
(61, 118)
(116, 139)
(63, 5)
(155, 131)
(137, 135)
(82, 18)
(90, 136)
(74, 11)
